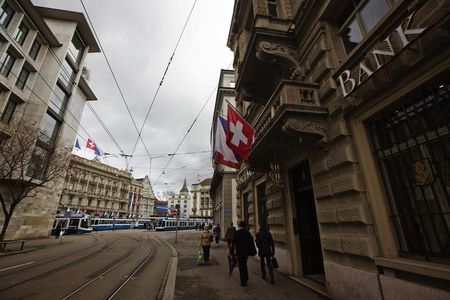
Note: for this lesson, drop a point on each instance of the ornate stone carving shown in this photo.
(270, 52)
(305, 128)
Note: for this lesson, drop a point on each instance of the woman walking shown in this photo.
(205, 243)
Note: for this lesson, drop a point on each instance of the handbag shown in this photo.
(199, 256)
(274, 262)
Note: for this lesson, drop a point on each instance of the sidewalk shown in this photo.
(204, 282)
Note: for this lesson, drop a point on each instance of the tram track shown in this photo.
(59, 268)
(49, 261)
(127, 277)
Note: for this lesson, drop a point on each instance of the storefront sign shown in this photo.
(384, 49)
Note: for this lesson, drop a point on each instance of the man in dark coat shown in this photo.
(266, 250)
(245, 247)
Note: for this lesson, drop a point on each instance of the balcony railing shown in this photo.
(288, 93)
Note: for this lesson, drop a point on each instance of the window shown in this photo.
(22, 79)
(22, 33)
(58, 100)
(272, 8)
(35, 49)
(76, 48)
(9, 110)
(358, 18)
(6, 15)
(411, 142)
(49, 129)
(6, 64)
(67, 74)
(38, 163)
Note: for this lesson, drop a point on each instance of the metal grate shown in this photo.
(412, 144)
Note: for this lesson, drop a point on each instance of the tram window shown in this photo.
(74, 222)
(54, 224)
(95, 222)
(84, 224)
(63, 223)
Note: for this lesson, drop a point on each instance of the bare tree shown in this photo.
(25, 166)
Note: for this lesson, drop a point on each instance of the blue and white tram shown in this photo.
(111, 224)
(71, 223)
(146, 223)
(166, 224)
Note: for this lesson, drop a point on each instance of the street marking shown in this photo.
(28, 263)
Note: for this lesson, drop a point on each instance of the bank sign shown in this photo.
(379, 56)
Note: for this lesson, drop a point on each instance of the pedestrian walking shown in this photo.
(57, 230)
(229, 235)
(205, 243)
(266, 250)
(244, 247)
(217, 234)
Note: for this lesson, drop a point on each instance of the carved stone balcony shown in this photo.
(292, 118)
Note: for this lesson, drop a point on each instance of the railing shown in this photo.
(288, 92)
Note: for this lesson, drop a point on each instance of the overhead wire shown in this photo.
(115, 80)
(164, 74)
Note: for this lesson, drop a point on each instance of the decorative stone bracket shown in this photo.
(272, 52)
(314, 130)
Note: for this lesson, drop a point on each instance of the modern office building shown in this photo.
(350, 163)
(42, 55)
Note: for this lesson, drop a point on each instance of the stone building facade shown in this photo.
(202, 204)
(42, 53)
(148, 197)
(100, 190)
(223, 182)
(349, 167)
(183, 199)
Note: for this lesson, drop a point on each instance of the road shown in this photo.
(126, 264)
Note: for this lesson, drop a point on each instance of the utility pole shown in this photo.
(177, 206)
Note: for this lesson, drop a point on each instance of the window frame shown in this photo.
(11, 101)
(19, 78)
(20, 40)
(356, 14)
(2, 64)
(36, 41)
(10, 16)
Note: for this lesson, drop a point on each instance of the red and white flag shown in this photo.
(240, 133)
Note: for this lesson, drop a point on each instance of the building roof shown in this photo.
(206, 181)
(82, 25)
(184, 189)
(84, 87)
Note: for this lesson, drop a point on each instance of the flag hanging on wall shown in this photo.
(240, 133)
(222, 153)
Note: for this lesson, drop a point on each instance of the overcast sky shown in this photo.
(139, 37)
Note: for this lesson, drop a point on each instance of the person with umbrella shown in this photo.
(244, 247)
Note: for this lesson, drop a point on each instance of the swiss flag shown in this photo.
(240, 133)
(90, 144)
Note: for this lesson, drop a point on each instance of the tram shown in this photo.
(167, 224)
(111, 224)
(71, 223)
(146, 223)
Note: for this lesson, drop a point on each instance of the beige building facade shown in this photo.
(202, 204)
(223, 182)
(349, 167)
(99, 190)
(42, 53)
